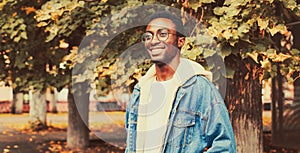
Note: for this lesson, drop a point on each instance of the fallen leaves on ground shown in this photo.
(95, 146)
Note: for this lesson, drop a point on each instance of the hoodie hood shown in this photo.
(185, 70)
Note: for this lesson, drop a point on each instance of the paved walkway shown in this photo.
(105, 126)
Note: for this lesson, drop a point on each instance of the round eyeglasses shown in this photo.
(161, 34)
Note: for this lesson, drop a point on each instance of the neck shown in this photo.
(165, 71)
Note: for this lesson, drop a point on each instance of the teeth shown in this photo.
(155, 51)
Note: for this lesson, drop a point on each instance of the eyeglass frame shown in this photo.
(157, 35)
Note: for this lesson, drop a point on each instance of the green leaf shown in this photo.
(284, 70)
(236, 2)
(13, 34)
(232, 11)
(196, 51)
(203, 39)
(226, 51)
(229, 72)
(297, 10)
(194, 5)
(232, 42)
(19, 61)
(270, 52)
(290, 4)
(207, 1)
(295, 52)
(208, 52)
(219, 10)
(243, 28)
(22, 27)
(271, 1)
(227, 34)
(259, 47)
(50, 37)
(290, 80)
(216, 76)
(23, 35)
(274, 68)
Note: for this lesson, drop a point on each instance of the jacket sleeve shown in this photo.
(134, 96)
(129, 108)
(219, 132)
(126, 127)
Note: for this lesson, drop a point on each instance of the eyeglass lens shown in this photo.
(161, 34)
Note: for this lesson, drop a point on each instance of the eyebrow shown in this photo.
(159, 29)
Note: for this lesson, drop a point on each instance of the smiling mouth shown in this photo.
(155, 51)
(156, 48)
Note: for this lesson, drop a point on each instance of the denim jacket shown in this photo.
(198, 121)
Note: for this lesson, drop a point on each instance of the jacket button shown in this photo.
(179, 121)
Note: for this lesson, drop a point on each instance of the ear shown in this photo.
(180, 41)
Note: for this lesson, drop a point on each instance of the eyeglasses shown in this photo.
(161, 34)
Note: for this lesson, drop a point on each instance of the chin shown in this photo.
(159, 61)
(155, 61)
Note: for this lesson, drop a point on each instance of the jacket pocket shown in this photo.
(182, 129)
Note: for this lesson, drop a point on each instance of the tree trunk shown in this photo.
(38, 111)
(78, 108)
(17, 103)
(297, 90)
(277, 108)
(244, 99)
(53, 101)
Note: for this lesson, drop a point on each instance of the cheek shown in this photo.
(172, 47)
(147, 47)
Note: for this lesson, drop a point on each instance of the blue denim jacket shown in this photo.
(198, 120)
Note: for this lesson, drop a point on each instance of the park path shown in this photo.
(105, 128)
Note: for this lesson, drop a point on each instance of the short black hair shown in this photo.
(174, 18)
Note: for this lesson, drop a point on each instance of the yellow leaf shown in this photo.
(63, 44)
(42, 24)
(54, 15)
(281, 57)
(14, 14)
(278, 28)
(227, 34)
(253, 55)
(265, 63)
(29, 10)
(2, 4)
(262, 23)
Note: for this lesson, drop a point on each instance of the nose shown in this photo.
(155, 40)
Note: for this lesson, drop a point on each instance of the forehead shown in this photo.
(159, 23)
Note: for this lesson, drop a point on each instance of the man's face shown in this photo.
(164, 46)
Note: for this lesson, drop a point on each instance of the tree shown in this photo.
(246, 31)
(28, 62)
(12, 63)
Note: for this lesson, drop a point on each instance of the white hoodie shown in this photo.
(185, 70)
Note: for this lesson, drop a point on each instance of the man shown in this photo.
(174, 107)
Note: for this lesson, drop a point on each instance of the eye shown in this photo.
(163, 33)
(147, 36)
